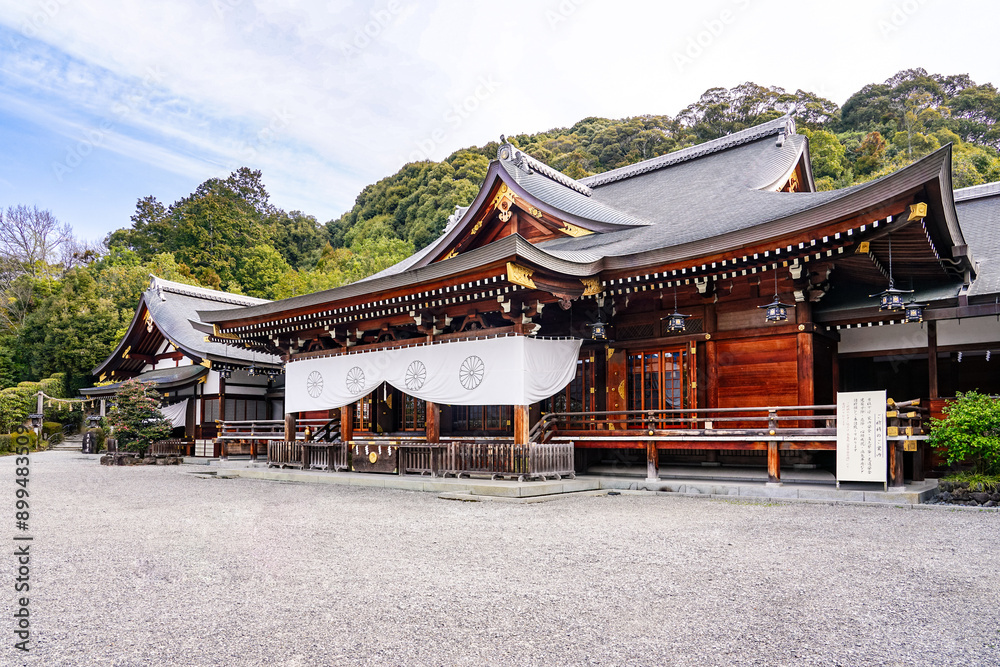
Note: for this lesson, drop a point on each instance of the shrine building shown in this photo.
(701, 307)
(199, 381)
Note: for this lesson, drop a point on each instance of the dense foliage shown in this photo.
(66, 304)
(970, 432)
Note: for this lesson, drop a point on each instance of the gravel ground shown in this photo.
(158, 566)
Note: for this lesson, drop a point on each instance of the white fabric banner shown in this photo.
(176, 414)
(511, 370)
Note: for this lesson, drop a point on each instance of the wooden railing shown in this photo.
(274, 429)
(324, 455)
(797, 422)
(307, 455)
(171, 448)
(497, 459)
(284, 454)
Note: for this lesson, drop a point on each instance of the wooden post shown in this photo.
(932, 365)
(652, 462)
(289, 427)
(895, 463)
(432, 425)
(773, 464)
(347, 423)
(104, 407)
(521, 425)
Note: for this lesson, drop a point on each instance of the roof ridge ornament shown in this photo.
(506, 151)
(784, 124)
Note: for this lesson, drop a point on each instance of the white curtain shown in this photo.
(176, 414)
(511, 370)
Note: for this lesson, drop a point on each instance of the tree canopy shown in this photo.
(65, 305)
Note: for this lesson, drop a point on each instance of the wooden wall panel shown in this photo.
(757, 372)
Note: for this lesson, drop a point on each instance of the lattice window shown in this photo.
(635, 331)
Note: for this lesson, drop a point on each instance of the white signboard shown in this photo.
(861, 447)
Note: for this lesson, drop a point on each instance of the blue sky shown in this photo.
(105, 102)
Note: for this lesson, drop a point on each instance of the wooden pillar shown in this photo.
(895, 463)
(918, 463)
(347, 423)
(773, 463)
(289, 427)
(104, 407)
(522, 424)
(652, 462)
(711, 374)
(432, 425)
(932, 359)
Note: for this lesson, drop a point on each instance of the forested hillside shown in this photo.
(65, 305)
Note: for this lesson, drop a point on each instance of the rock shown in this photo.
(161, 462)
(990, 503)
(945, 497)
(995, 497)
(148, 461)
(945, 486)
(981, 497)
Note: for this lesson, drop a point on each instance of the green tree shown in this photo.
(136, 417)
(70, 331)
(969, 432)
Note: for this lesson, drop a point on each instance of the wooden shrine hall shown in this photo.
(704, 306)
(200, 382)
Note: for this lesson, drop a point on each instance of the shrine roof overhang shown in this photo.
(928, 177)
(488, 261)
(164, 313)
(165, 378)
(857, 210)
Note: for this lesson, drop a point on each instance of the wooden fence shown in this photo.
(495, 459)
(171, 448)
(307, 455)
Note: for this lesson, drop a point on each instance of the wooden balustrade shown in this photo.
(284, 454)
(171, 448)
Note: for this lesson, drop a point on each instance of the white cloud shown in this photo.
(328, 96)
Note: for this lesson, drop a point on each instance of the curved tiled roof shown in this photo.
(979, 214)
(783, 125)
(173, 305)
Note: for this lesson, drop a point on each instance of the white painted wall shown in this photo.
(969, 331)
(887, 337)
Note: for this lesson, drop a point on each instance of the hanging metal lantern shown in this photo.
(892, 298)
(675, 321)
(598, 330)
(776, 311)
(915, 312)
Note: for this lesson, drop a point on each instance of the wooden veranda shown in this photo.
(555, 438)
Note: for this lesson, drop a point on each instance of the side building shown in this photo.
(201, 382)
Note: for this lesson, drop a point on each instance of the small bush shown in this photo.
(8, 444)
(969, 432)
(49, 428)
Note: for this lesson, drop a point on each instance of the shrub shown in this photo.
(136, 417)
(969, 432)
(7, 442)
(49, 428)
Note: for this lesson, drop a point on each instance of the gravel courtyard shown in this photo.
(158, 566)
